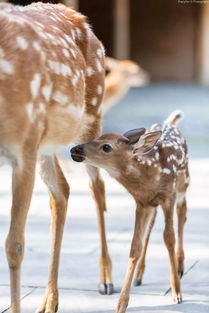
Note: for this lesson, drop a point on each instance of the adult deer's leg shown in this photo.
(53, 177)
(181, 212)
(22, 187)
(98, 192)
(140, 267)
(169, 238)
(142, 219)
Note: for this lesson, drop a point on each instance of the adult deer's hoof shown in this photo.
(49, 304)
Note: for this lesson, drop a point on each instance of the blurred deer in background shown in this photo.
(121, 76)
(51, 90)
(153, 167)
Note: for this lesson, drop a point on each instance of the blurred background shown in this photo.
(168, 39)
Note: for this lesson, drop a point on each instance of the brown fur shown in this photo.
(154, 170)
(51, 89)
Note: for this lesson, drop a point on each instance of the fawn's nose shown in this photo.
(77, 153)
(77, 150)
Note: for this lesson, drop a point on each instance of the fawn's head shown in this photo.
(113, 151)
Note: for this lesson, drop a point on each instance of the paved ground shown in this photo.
(80, 252)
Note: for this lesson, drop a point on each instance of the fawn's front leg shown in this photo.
(53, 177)
(98, 191)
(142, 218)
(22, 187)
(140, 267)
(169, 239)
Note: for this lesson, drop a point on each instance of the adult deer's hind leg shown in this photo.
(140, 267)
(53, 177)
(22, 187)
(98, 191)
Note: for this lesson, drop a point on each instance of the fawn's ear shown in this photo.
(134, 135)
(147, 142)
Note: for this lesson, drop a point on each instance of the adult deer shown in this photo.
(121, 76)
(153, 166)
(51, 89)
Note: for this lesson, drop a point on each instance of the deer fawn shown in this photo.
(153, 166)
(51, 89)
(121, 76)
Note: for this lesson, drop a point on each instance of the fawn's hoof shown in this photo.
(177, 299)
(180, 273)
(106, 289)
(137, 282)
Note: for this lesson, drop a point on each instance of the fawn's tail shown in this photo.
(174, 118)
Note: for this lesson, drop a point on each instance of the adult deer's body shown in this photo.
(51, 88)
(153, 167)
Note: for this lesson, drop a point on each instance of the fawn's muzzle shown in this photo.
(77, 153)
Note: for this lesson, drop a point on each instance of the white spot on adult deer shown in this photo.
(45, 105)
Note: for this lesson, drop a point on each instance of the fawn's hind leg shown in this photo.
(181, 208)
(169, 239)
(181, 212)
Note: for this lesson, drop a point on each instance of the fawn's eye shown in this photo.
(106, 148)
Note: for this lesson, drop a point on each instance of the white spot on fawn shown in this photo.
(165, 171)
(149, 162)
(180, 197)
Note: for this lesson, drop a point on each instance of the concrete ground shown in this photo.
(80, 251)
